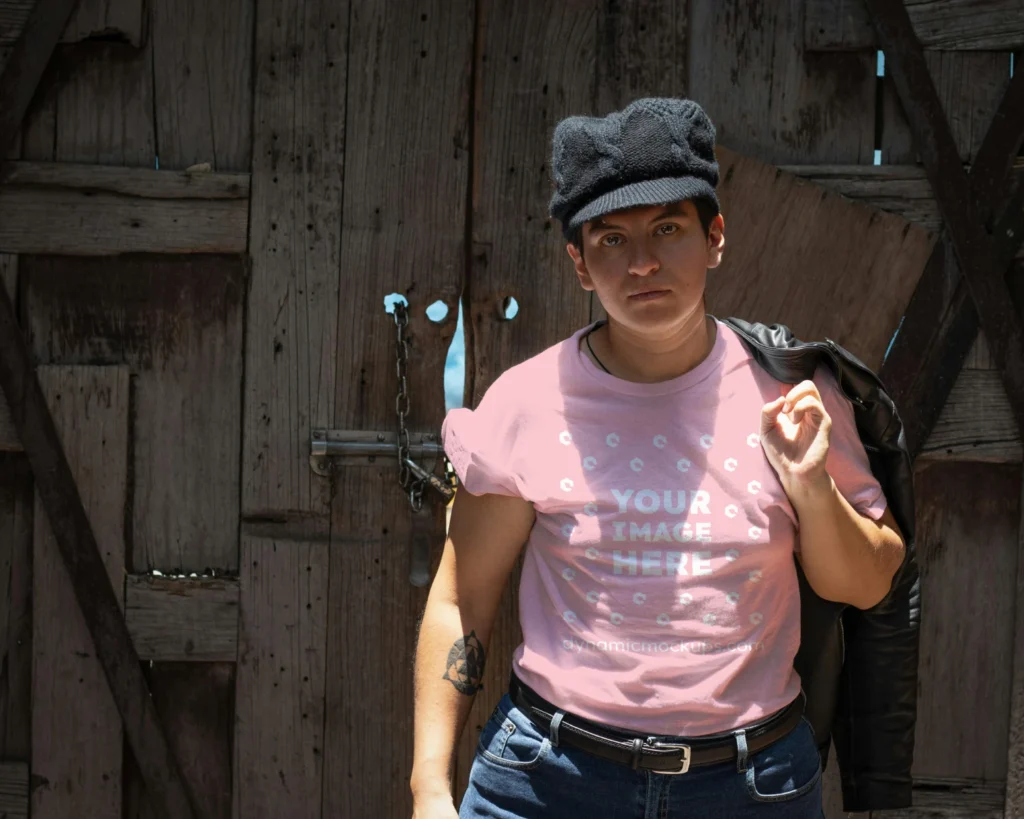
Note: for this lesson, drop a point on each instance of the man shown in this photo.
(662, 483)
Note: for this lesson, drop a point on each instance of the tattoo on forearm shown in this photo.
(465, 668)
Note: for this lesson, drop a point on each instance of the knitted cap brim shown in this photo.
(645, 192)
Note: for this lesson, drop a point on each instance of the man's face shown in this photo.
(660, 250)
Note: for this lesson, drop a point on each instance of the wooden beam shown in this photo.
(81, 555)
(26, 63)
(89, 405)
(940, 322)
(181, 618)
(14, 789)
(963, 219)
(900, 189)
(90, 210)
(1014, 805)
(950, 25)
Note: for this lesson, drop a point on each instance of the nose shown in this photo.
(643, 262)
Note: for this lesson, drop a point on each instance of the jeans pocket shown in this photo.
(510, 740)
(787, 769)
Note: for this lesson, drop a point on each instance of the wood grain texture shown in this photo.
(181, 618)
(867, 270)
(976, 422)
(83, 224)
(77, 741)
(177, 323)
(769, 98)
(1014, 804)
(970, 87)
(9, 280)
(408, 98)
(279, 700)
(968, 523)
(196, 702)
(117, 19)
(202, 74)
(900, 189)
(141, 183)
(95, 106)
(952, 25)
(14, 777)
(292, 316)
(16, 508)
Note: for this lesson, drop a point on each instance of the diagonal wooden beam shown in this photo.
(52, 474)
(940, 323)
(26, 63)
(962, 218)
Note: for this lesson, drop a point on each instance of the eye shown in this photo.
(605, 242)
(673, 229)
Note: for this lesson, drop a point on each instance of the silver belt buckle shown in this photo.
(686, 756)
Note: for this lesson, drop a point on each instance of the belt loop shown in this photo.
(637, 743)
(556, 720)
(741, 750)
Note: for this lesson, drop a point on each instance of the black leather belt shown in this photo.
(647, 752)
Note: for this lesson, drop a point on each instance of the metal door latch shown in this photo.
(360, 447)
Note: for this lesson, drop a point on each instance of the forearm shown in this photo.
(846, 556)
(450, 661)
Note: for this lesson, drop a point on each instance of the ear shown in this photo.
(716, 241)
(581, 267)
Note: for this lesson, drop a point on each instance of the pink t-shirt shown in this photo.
(658, 591)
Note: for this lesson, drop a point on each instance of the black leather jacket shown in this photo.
(858, 667)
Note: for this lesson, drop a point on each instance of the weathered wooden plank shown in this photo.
(177, 322)
(418, 247)
(97, 107)
(15, 607)
(119, 19)
(77, 742)
(952, 25)
(8, 280)
(976, 423)
(871, 266)
(292, 316)
(142, 183)
(528, 77)
(202, 71)
(300, 61)
(25, 63)
(14, 790)
(196, 704)
(70, 222)
(279, 699)
(767, 97)
(642, 50)
(182, 618)
(969, 518)
(900, 189)
(1014, 804)
(69, 208)
(970, 87)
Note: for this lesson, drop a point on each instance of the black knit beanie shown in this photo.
(655, 151)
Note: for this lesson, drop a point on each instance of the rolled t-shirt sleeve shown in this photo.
(847, 461)
(481, 443)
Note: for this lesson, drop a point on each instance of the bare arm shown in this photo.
(485, 537)
(847, 557)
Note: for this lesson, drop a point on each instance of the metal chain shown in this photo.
(405, 479)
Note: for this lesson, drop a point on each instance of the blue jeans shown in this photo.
(517, 773)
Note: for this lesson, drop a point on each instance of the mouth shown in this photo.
(648, 295)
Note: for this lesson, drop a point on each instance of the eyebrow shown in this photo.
(673, 209)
